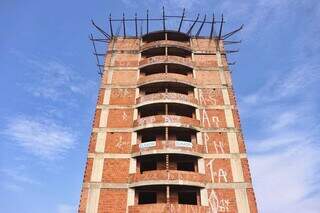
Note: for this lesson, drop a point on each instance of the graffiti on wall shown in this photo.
(208, 98)
(218, 205)
(212, 121)
(221, 174)
(218, 145)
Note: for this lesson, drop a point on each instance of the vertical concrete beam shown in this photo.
(204, 197)
(225, 96)
(242, 201)
(93, 200)
(233, 142)
(133, 166)
(101, 140)
(104, 118)
(199, 138)
(97, 168)
(229, 118)
(201, 166)
(236, 169)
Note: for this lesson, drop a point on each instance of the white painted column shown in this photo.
(242, 201)
(93, 200)
(204, 197)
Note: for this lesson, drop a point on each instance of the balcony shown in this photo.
(163, 207)
(166, 59)
(166, 98)
(166, 120)
(164, 43)
(169, 146)
(167, 77)
(164, 177)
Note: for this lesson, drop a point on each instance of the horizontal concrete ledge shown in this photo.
(107, 106)
(241, 185)
(104, 129)
(99, 185)
(131, 86)
(166, 151)
(128, 156)
(167, 101)
(167, 182)
(226, 155)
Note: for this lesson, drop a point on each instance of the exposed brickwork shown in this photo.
(112, 200)
(164, 125)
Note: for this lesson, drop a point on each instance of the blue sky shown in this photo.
(49, 87)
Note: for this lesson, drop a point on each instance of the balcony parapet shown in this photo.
(163, 207)
(166, 77)
(166, 59)
(170, 146)
(169, 97)
(170, 177)
(166, 120)
(164, 43)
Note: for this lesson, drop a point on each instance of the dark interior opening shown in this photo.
(148, 137)
(148, 165)
(147, 197)
(183, 137)
(189, 198)
(185, 166)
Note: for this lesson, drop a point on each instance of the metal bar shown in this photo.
(99, 54)
(204, 19)
(100, 30)
(189, 31)
(164, 20)
(100, 40)
(110, 23)
(232, 42)
(221, 25)
(232, 33)
(136, 24)
(95, 52)
(147, 21)
(212, 26)
(182, 17)
(231, 51)
(124, 26)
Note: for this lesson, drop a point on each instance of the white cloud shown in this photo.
(15, 179)
(53, 79)
(285, 156)
(66, 208)
(41, 137)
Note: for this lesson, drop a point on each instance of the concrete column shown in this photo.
(233, 142)
(242, 201)
(100, 144)
(229, 118)
(236, 169)
(204, 197)
(201, 166)
(104, 118)
(225, 96)
(93, 200)
(199, 138)
(133, 166)
(97, 169)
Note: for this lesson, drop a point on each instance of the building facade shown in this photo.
(166, 132)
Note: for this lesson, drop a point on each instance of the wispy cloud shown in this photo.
(15, 179)
(52, 79)
(42, 137)
(284, 157)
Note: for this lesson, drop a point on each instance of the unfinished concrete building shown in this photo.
(166, 132)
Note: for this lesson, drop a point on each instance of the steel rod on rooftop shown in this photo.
(147, 21)
(95, 53)
(204, 19)
(182, 17)
(212, 26)
(136, 24)
(232, 33)
(124, 26)
(221, 25)
(164, 20)
(110, 23)
(189, 31)
(99, 29)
